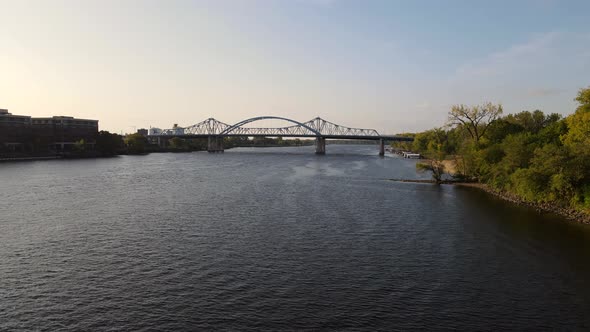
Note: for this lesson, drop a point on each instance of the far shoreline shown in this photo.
(93, 154)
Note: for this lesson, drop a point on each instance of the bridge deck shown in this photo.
(364, 138)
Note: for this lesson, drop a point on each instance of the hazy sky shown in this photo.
(394, 66)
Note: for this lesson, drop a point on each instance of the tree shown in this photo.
(108, 144)
(80, 146)
(532, 122)
(177, 143)
(577, 140)
(475, 119)
(434, 152)
(518, 150)
(583, 99)
(136, 143)
(578, 135)
(536, 156)
(499, 129)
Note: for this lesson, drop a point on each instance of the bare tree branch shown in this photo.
(475, 119)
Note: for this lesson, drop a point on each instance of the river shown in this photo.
(277, 239)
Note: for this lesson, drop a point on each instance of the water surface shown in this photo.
(277, 239)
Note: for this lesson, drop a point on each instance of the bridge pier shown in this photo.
(214, 144)
(381, 147)
(320, 145)
(162, 142)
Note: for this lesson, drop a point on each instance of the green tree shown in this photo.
(499, 129)
(532, 121)
(136, 143)
(435, 153)
(518, 150)
(108, 144)
(577, 140)
(539, 157)
(80, 146)
(583, 100)
(578, 135)
(177, 143)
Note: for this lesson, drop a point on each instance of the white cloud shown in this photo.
(544, 72)
(504, 61)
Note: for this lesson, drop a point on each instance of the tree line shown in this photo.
(542, 158)
(109, 144)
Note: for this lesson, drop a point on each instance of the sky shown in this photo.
(394, 66)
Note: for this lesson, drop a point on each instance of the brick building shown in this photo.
(61, 132)
(15, 131)
(23, 133)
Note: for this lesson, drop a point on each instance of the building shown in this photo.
(142, 132)
(15, 132)
(62, 132)
(176, 130)
(21, 133)
(154, 131)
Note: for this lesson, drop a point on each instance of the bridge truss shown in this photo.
(317, 127)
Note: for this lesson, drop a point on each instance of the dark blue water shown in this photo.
(277, 239)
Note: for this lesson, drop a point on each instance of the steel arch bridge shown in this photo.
(317, 128)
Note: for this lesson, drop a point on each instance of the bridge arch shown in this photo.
(233, 127)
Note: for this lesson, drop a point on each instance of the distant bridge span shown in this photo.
(317, 128)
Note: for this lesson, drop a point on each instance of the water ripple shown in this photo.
(276, 239)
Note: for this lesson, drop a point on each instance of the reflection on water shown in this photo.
(277, 239)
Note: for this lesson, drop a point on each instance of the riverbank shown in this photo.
(32, 158)
(568, 213)
(91, 154)
(18, 157)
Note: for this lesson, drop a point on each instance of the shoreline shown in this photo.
(97, 155)
(568, 213)
(32, 158)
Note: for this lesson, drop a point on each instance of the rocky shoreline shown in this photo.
(569, 213)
